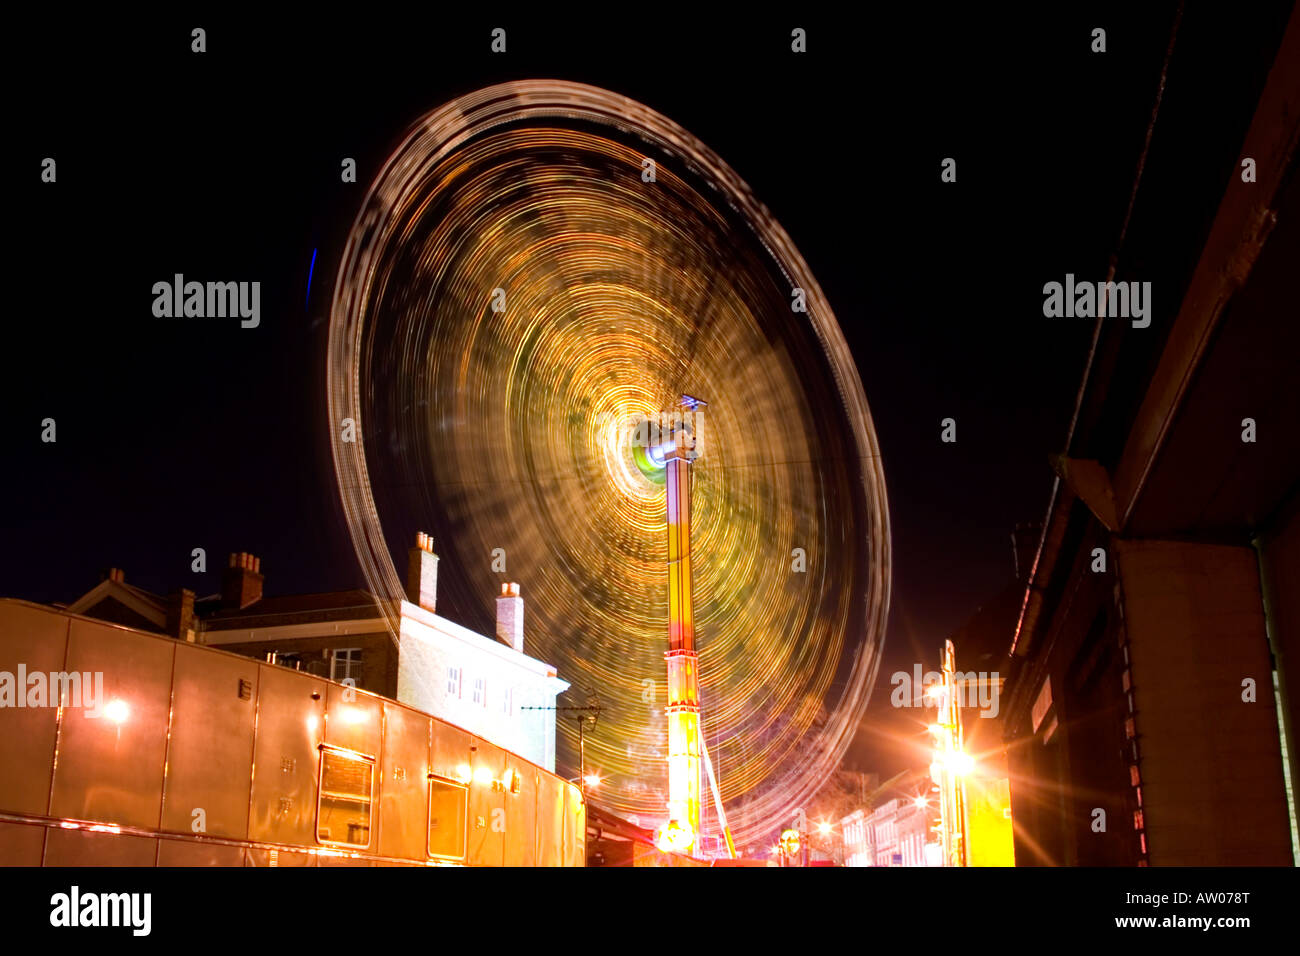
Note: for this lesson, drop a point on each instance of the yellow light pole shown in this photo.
(951, 762)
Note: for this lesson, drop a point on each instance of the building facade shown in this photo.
(487, 685)
(1152, 711)
(859, 846)
(122, 747)
(900, 832)
(484, 685)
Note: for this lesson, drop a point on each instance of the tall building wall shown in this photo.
(1211, 765)
(1071, 795)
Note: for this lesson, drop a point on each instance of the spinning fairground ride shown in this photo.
(576, 346)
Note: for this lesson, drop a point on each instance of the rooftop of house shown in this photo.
(294, 609)
(241, 604)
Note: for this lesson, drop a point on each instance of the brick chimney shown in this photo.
(241, 584)
(114, 574)
(180, 614)
(422, 573)
(510, 617)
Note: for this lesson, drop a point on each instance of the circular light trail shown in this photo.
(516, 291)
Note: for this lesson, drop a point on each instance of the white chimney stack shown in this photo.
(422, 573)
(510, 617)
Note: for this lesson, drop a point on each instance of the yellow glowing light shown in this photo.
(790, 841)
(117, 711)
(353, 715)
(465, 773)
(483, 775)
(674, 837)
(955, 762)
(921, 802)
(823, 828)
(961, 763)
(592, 780)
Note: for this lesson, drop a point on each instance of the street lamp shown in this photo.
(833, 845)
(583, 715)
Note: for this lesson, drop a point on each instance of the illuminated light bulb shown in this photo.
(483, 775)
(117, 711)
(659, 454)
(464, 773)
(823, 828)
(592, 780)
(921, 802)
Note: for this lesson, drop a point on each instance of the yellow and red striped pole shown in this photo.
(683, 663)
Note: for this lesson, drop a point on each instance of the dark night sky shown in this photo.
(176, 435)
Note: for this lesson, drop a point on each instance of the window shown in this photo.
(345, 662)
(453, 681)
(480, 691)
(285, 659)
(344, 800)
(448, 812)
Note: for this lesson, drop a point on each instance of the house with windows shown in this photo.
(902, 834)
(896, 826)
(485, 684)
(859, 848)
